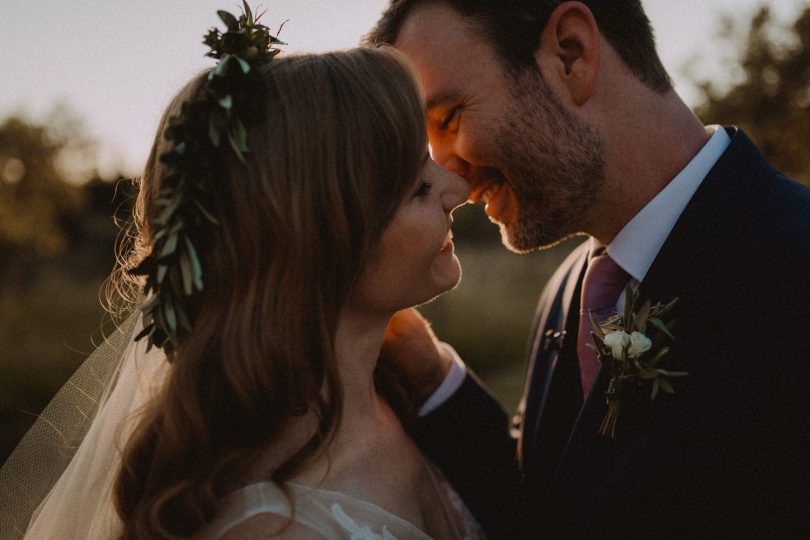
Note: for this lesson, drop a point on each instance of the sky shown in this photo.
(114, 64)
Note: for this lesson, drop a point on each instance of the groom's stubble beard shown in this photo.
(554, 164)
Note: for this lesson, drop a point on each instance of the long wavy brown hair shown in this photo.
(341, 142)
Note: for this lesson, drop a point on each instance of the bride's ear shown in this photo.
(569, 50)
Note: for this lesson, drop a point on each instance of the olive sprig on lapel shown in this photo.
(631, 347)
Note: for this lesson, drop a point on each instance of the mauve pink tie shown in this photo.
(601, 288)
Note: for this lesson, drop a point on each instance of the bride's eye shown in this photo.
(423, 190)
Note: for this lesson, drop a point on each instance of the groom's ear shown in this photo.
(569, 50)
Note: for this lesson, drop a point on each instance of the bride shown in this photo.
(288, 209)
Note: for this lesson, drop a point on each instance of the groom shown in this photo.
(563, 120)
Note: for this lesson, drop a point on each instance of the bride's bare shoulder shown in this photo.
(267, 525)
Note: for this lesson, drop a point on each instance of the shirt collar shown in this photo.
(638, 243)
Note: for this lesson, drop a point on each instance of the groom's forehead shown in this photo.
(436, 35)
(443, 54)
(438, 20)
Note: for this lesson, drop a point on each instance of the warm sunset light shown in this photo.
(239, 300)
(154, 47)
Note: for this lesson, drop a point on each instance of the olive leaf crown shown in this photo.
(213, 121)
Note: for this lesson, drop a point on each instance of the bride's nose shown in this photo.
(455, 190)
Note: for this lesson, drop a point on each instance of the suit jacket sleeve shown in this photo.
(468, 438)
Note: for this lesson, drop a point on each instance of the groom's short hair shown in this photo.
(513, 27)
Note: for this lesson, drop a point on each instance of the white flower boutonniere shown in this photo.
(631, 347)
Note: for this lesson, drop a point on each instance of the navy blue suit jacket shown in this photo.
(727, 454)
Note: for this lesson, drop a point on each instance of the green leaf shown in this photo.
(666, 309)
(158, 235)
(148, 329)
(244, 65)
(665, 386)
(167, 212)
(230, 21)
(144, 268)
(205, 212)
(673, 373)
(171, 318)
(629, 300)
(187, 272)
(599, 344)
(169, 247)
(227, 101)
(215, 124)
(238, 139)
(211, 38)
(177, 227)
(640, 320)
(661, 326)
(195, 265)
(221, 69)
(655, 387)
(659, 355)
(150, 303)
(246, 10)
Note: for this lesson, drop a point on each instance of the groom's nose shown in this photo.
(452, 163)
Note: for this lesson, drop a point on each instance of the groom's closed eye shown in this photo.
(439, 104)
(451, 119)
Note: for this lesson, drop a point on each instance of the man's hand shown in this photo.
(412, 347)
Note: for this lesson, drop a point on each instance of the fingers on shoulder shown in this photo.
(270, 526)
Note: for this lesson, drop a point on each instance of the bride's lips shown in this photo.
(448, 242)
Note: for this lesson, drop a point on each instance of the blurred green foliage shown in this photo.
(56, 248)
(771, 101)
(35, 201)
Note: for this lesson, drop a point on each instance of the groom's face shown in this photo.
(535, 165)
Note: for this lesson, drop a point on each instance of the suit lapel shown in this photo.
(552, 393)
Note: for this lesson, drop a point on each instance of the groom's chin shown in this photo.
(522, 241)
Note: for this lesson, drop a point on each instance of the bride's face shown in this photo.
(414, 261)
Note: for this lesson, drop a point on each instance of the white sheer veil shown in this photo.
(58, 479)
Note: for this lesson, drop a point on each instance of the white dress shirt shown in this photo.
(636, 245)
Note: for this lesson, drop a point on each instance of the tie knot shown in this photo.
(603, 283)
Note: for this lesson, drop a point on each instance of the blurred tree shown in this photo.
(35, 201)
(57, 237)
(772, 101)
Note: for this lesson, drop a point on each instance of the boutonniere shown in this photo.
(631, 347)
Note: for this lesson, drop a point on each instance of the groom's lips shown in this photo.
(484, 183)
